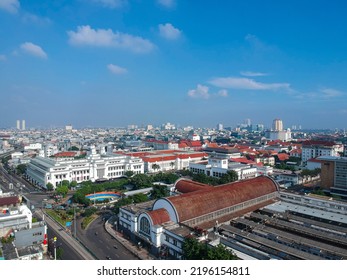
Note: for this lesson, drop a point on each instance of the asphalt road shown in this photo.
(68, 252)
(19, 184)
(101, 244)
(99, 241)
(72, 249)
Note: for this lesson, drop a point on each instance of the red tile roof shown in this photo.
(65, 154)
(296, 151)
(318, 143)
(186, 186)
(282, 156)
(243, 160)
(159, 216)
(158, 158)
(195, 204)
(9, 200)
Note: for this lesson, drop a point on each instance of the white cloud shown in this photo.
(329, 92)
(85, 35)
(168, 31)
(253, 74)
(2, 57)
(222, 93)
(246, 83)
(112, 4)
(166, 3)
(31, 18)
(115, 69)
(203, 92)
(33, 49)
(11, 6)
(200, 92)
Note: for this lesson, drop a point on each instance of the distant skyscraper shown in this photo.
(219, 126)
(18, 124)
(23, 124)
(68, 127)
(247, 122)
(277, 125)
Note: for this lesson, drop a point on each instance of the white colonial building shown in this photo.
(42, 171)
(217, 166)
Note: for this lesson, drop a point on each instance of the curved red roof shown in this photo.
(159, 216)
(186, 186)
(198, 203)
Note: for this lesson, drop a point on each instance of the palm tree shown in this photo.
(155, 166)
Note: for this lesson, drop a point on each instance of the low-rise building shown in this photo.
(217, 166)
(252, 217)
(162, 225)
(166, 160)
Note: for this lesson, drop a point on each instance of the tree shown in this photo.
(172, 164)
(21, 169)
(73, 184)
(139, 197)
(49, 186)
(194, 250)
(65, 183)
(60, 253)
(129, 173)
(141, 181)
(191, 249)
(73, 148)
(155, 166)
(63, 190)
(230, 176)
(89, 211)
(220, 252)
(159, 191)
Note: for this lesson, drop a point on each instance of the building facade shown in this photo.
(42, 171)
(313, 149)
(162, 225)
(334, 175)
(217, 166)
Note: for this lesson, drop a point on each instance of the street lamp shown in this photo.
(55, 247)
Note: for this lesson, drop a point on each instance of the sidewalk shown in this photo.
(142, 254)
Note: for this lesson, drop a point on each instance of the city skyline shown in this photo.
(117, 62)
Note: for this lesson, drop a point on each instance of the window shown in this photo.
(144, 226)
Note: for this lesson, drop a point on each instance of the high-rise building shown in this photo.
(219, 126)
(18, 124)
(277, 125)
(23, 124)
(247, 122)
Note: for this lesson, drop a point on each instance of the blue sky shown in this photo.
(117, 62)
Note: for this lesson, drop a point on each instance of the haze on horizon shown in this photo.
(118, 62)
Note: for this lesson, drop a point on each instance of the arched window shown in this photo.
(145, 226)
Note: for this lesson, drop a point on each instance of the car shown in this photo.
(96, 233)
(108, 257)
(115, 246)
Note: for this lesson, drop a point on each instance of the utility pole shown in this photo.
(75, 222)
